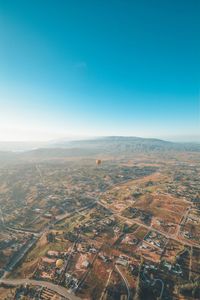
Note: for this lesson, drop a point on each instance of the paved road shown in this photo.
(21, 230)
(60, 218)
(16, 258)
(56, 288)
(167, 235)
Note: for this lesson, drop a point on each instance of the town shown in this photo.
(116, 229)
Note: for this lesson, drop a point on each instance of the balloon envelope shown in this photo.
(59, 263)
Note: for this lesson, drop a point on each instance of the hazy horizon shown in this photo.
(175, 138)
(181, 139)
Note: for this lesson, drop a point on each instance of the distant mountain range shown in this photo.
(120, 145)
(114, 145)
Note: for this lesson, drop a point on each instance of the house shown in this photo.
(122, 262)
(85, 264)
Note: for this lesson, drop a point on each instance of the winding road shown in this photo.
(53, 287)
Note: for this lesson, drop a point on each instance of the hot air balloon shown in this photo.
(59, 263)
(98, 162)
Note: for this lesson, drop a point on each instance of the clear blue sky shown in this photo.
(87, 68)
